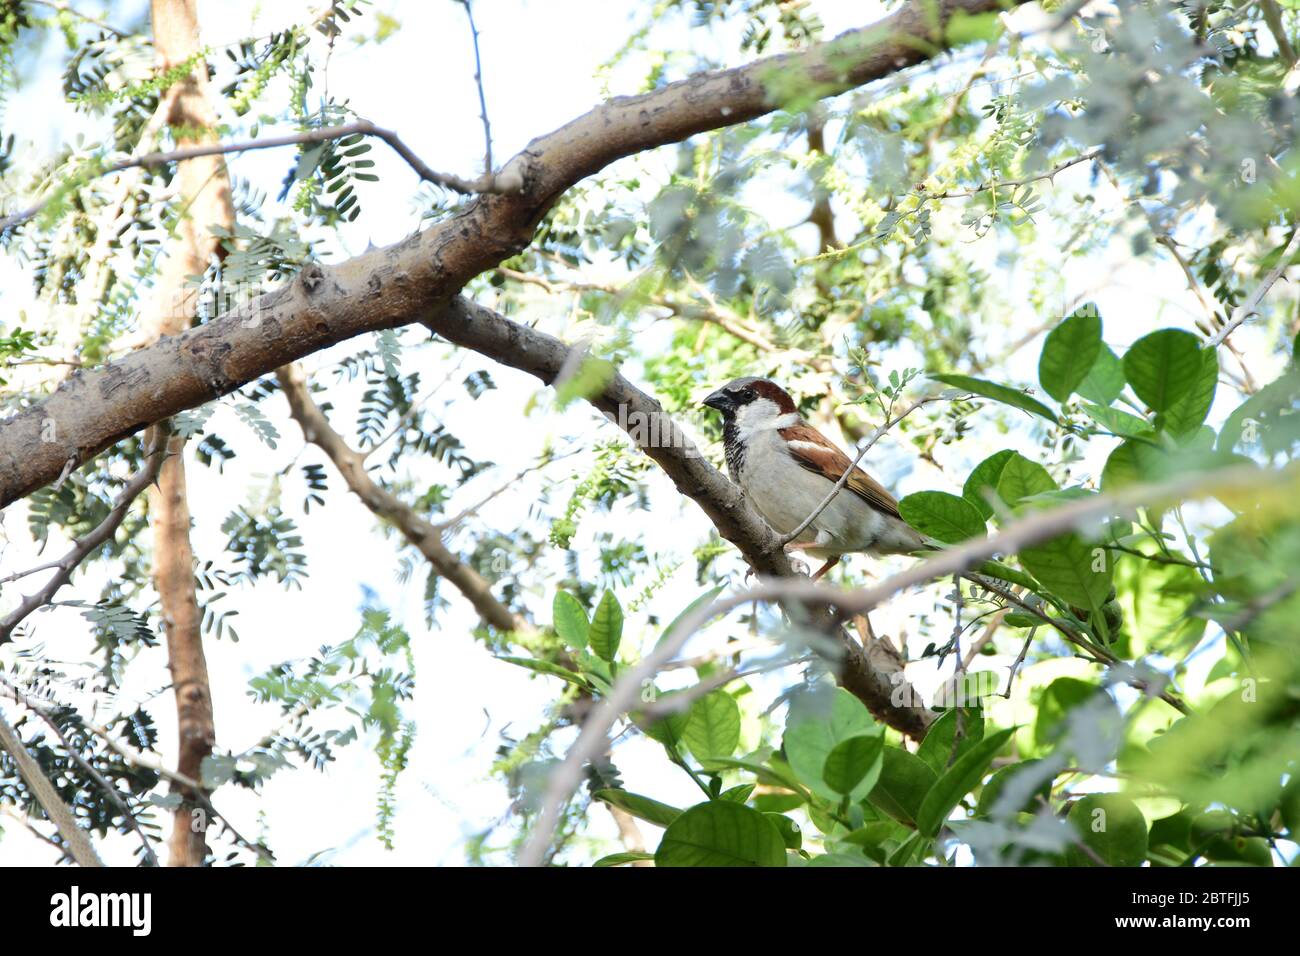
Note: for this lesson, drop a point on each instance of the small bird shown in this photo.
(786, 468)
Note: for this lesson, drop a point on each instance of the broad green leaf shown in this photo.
(719, 833)
(737, 794)
(668, 730)
(1115, 421)
(713, 726)
(839, 859)
(1184, 416)
(546, 667)
(1004, 572)
(1069, 353)
(852, 763)
(790, 831)
(1163, 367)
(618, 859)
(811, 734)
(937, 746)
(1067, 565)
(904, 781)
(942, 516)
(957, 781)
(1057, 700)
(985, 475)
(1112, 826)
(777, 802)
(643, 808)
(1104, 383)
(774, 773)
(570, 620)
(606, 630)
(1134, 461)
(999, 393)
(998, 783)
(1021, 478)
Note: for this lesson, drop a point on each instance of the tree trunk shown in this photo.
(205, 200)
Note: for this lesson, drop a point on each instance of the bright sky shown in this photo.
(541, 63)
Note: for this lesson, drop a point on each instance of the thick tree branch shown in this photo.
(395, 286)
(206, 197)
(15, 693)
(870, 673)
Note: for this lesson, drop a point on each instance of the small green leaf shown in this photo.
(1067, 566)
(904, 781)
(1133, 461)
(998, 783)
(852, 761)
(960, 779)
(1163, 367)
(570, 620)
(1116, 421)
(811, 734)
(618, 859)
(713, 726)
(1104, 383)
(737, 794)
(1069, 353)
(546, 667)
(643, 808)
(719, 833)
(790, 831)
(999, 393)
(667, 730)
(942, 516)
(1111, 825)
(985, 475)
(1059, 698)
(1004, 572)
(936, 749)
(1184, 416)
(1022, 478)
(606, 630)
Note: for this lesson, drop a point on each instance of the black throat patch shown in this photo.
(734, 448)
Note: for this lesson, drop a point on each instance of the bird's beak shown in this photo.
(719, 400)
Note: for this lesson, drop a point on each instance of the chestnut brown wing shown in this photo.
(813, 451)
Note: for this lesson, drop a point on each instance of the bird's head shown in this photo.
(745, 392)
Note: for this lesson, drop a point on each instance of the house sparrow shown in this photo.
(786, 468)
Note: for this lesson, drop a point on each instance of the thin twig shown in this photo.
(84, 546)
(482, 100)
(1012, 183)
(482, 184)
(1251, 303)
